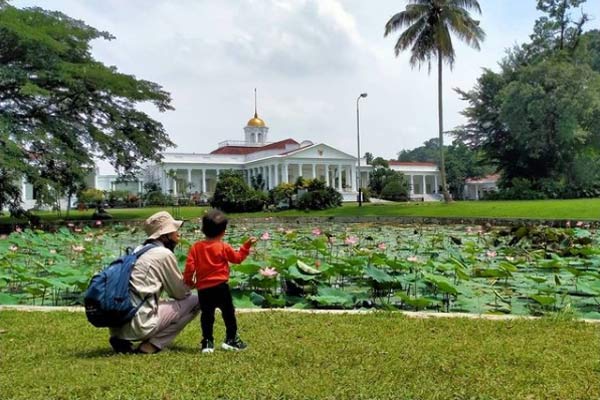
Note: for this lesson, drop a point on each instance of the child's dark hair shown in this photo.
(214, 222)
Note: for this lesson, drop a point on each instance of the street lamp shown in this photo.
(358, 143)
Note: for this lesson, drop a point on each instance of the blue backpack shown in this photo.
(107, 300)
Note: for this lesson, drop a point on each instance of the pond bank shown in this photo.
(409, 314)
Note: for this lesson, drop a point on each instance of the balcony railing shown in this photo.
(242, 143)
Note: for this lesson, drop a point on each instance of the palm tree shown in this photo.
(429, 24)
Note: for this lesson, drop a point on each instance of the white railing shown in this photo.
(242, 143)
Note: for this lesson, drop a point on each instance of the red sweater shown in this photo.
(207, 263)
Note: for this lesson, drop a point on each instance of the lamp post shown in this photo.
(358, 143)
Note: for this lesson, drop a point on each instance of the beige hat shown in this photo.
(160, 224)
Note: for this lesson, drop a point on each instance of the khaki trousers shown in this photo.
(173, 316)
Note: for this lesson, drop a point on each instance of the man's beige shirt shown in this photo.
(155, 272)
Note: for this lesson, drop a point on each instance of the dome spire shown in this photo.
(255, 107)
(256, 121)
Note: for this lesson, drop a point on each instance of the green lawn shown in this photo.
(302, 356)
(585, 209)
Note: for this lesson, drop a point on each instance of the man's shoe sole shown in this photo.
(207, 351)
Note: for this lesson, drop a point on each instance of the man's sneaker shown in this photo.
(120, 345)
(234, 344)
(207, 346)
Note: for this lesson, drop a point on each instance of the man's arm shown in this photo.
(172, 279)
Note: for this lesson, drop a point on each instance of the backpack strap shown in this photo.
(138, 254)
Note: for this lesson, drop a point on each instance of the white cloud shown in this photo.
(310, 59)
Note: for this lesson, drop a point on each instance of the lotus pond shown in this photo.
(521, 270)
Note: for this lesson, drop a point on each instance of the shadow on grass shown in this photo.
(102, 352)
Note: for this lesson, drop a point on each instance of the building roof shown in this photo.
(243, 150)
(486, 179)
(412, 164)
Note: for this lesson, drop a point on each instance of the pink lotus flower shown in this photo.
(568, 224)
(18, 229)
(413, 259)
(510, 259)
(381, 246)
(289, 232)
(13, 248)
(316, 232)
(579, 223)
(469, 229)
(351, 240)
(491, 253)
(77, 230)
(78, 248)
(317, 263)
(265, 236)
(268, 272)
(98, 223)
(280, 229)
(70, 224)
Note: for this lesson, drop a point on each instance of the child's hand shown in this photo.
(251, 241)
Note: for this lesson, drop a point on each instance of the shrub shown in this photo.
(395, 190)
(90, 197)
(320, 199)
(232, 194)
(156, 198)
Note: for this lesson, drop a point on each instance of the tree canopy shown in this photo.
(60, 109)
(538, 119)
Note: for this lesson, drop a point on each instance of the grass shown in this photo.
(585, 209)
(301, 356)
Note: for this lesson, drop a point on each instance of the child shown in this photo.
(207, 269)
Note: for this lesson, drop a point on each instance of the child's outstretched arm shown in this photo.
(237, 257)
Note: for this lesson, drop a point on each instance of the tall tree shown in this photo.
(58, 103)
(429, 24)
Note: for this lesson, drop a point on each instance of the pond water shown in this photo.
(521, 270)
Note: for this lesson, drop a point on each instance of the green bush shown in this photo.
(232, 194)
(395, 190)
(320, 199)
(157, 198)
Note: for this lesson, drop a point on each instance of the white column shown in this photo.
(412, 184)
(353, 178)
(189, 179)
(218, 172)
(299, 170)
(424, 187)
(203, 180)
(326, 174)
(435, 184)
(314, 170)
(285, 176)
(276, 181)
(339, 174)
(476, 192)
(140, 187)
(174, 187)
(348, 178)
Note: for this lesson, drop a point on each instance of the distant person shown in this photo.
(157, 322)
(207, 269)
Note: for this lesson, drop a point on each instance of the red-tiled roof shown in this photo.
(410, 163)
(237, 150)
(485, 179)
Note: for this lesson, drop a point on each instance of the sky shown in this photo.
(308, 59)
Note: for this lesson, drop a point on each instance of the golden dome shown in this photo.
(256, 122)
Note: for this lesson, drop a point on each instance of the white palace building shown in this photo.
(283, 161)
(278, 162)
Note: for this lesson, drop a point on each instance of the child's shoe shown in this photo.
(235, 344)
(207, 346)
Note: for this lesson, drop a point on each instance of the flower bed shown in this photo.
(521, 270)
